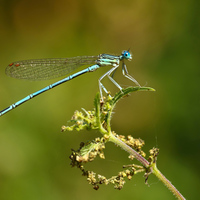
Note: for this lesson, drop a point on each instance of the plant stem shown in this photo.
(166, 182)
(131, 151)
(153, 168)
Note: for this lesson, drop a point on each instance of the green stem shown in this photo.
(166, 182)
(131, 151)
(153, 168)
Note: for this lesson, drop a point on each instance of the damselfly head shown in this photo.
(126, 55)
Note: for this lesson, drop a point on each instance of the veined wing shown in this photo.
(43, 69)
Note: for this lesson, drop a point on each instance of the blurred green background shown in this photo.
(164, 39)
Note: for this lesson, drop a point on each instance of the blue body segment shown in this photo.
(43, 69)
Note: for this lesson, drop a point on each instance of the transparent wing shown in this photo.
(43, 69)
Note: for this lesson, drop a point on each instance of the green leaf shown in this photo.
(127, 91)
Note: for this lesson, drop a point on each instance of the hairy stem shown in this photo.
(166, 182)
(131, 151)
(153, 168)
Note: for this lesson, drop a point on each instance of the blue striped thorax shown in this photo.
(107, 59)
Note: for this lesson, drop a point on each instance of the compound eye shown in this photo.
(126, 54)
